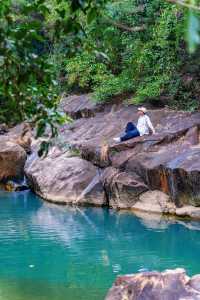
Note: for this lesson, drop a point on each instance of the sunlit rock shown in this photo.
(63, 179)
(155, 202)
(188, 211)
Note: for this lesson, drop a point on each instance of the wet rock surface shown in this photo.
(168, 285)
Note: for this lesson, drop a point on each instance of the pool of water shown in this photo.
(50, 252)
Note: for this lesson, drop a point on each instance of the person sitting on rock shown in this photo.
(143, 127)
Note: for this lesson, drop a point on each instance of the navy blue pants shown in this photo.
(131, 131)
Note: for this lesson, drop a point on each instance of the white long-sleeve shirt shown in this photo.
(144, 124)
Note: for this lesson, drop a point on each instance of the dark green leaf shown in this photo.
(91, 15)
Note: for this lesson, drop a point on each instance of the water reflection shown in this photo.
(161, 222)
(76, 253)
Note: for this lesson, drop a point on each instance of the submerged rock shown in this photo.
(168, 285)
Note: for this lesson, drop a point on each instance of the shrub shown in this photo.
(113, 86)
(151, 63)
(85, 72)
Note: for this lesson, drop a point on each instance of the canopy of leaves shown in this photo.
(139, 47)
(30, 31)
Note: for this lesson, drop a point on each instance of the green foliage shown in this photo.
(22, 68)
(113, 86)
(150, 63)
(151, 88)
(158, 62)
(85, 72)
(31, 32)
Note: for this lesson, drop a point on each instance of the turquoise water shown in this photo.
(49, 252)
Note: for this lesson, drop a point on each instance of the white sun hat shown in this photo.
(143, 109)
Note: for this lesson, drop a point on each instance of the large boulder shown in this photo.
(122, 189)
(168, 285)
(12, 159)
(156, 173)
(64, 179)
(22, 134)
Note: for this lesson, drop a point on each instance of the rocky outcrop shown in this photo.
(156, 173)
(167, 162)
(168, 285)
(88, 135)
(80, 106)
(64, 179)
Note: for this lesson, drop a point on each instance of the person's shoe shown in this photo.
(117, 139)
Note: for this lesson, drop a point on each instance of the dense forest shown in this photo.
(137, 48)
